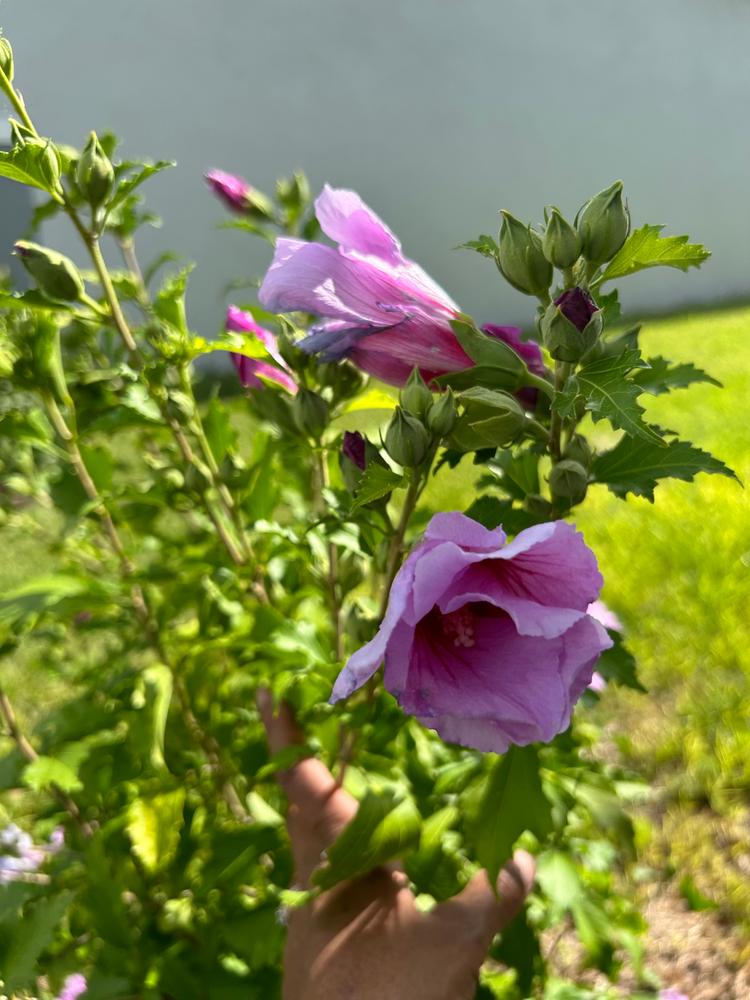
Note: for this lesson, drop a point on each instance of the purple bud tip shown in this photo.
(233, 190)
(354, 448)
(577, 306)
(21, 250)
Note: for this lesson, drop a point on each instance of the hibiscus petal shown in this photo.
(454, 526)
(347, 220)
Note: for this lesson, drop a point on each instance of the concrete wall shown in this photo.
(439, 112)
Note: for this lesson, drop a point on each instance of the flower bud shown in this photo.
(6, 58)
(238, 195)
(48, 363)
(442, 414)
(310, 413)
(569, 480)
(416, 398)
(571, 325)
(491, 418)
(46, 159)
(561, 244)
(56, 275)
(406, 439)
(521, 260)
(95, 175)
(353, 459)
(579, 450)
(603, 224)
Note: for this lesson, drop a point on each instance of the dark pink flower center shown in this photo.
(458, 626)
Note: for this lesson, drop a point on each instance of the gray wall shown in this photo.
(439, 112)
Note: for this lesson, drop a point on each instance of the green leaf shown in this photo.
(169, 303)
(158, 684)
(46, 771)
(490, 351)
(559, 879)
(662, 376)
(518, 948)
(512, 802)
(385, 826)
(29, 165)
(635, 466)
(154, 827)
(646, 248)
(485, 245)
(694, 897)
(377, 481)
(608, 393)
(126, 187)
(617, 664)
(222, 437)
(30, 937)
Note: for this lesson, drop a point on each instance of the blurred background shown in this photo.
(438, 113)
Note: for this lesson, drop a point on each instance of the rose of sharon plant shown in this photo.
(486, 642)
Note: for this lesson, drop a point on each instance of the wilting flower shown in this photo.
(377, 307)
(252, 371)
(577, 305)
(531, 353)
(487, 643)
(237, 194)
(73, 987)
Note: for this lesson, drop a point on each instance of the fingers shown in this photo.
(478, 910)
(318, 807)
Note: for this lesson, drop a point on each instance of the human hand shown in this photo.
(365, 939)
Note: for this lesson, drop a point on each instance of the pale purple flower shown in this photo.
(528, 350)
(235, 192)
(377, 307)
(20, 855)
(73, 987)
(671, 994)
(253, 371)
(486, 642)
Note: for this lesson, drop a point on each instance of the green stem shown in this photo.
(537, 382)
(17, 101)
(562, 372)
(319, 483)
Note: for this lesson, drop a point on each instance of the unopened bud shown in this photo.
(561, 243)
(603, 224)
(48, 363)
(95, 175)
(406, 439)
(46, 158)
(569, 480)
(6, 58)
(56, 275)
(238, 195)
(442, 414)
(521, 259)
(579, 450)
(571, 325)
(416, 398)
(491, 418)
(352, 459)
(310, 413)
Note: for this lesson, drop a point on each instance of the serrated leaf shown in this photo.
(46, 771)
(126, 187)
(512, 802)
(662, 376)
(636, 466)
(377, 481)
(154, 827)
(28, 165)
(645, 247)
(30, 937)
(484, 244)
(169, 303)
(609, 394)
(384, 827)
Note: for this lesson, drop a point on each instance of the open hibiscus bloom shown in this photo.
(253, 371)
(377, 307)
(487, 643)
